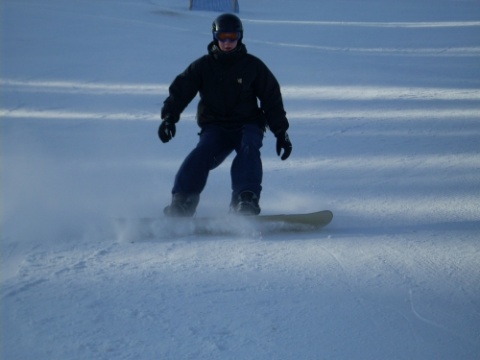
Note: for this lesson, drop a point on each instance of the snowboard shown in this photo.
(171, 227)
(315, 219)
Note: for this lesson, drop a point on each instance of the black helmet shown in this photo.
(227, 23)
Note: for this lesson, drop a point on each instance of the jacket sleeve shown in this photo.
(271, 102)
(182, 91)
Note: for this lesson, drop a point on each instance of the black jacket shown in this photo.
(229, 85)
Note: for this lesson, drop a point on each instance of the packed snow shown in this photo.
(383, 98)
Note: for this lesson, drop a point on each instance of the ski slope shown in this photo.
(383, 98)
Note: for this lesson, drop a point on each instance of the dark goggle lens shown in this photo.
(227, 36)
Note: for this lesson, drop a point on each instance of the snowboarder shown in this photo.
(230, 82)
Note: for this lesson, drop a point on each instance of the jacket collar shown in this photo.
(230, 57)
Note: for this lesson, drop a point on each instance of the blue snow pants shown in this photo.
(214, 146)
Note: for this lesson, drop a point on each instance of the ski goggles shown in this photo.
(227, 36)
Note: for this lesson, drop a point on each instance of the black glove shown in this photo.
(283, 142)
(167, 130)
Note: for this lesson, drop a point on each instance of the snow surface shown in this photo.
(384, 103)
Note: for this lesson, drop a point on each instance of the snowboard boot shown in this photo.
(183, 205)
(245, 204)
